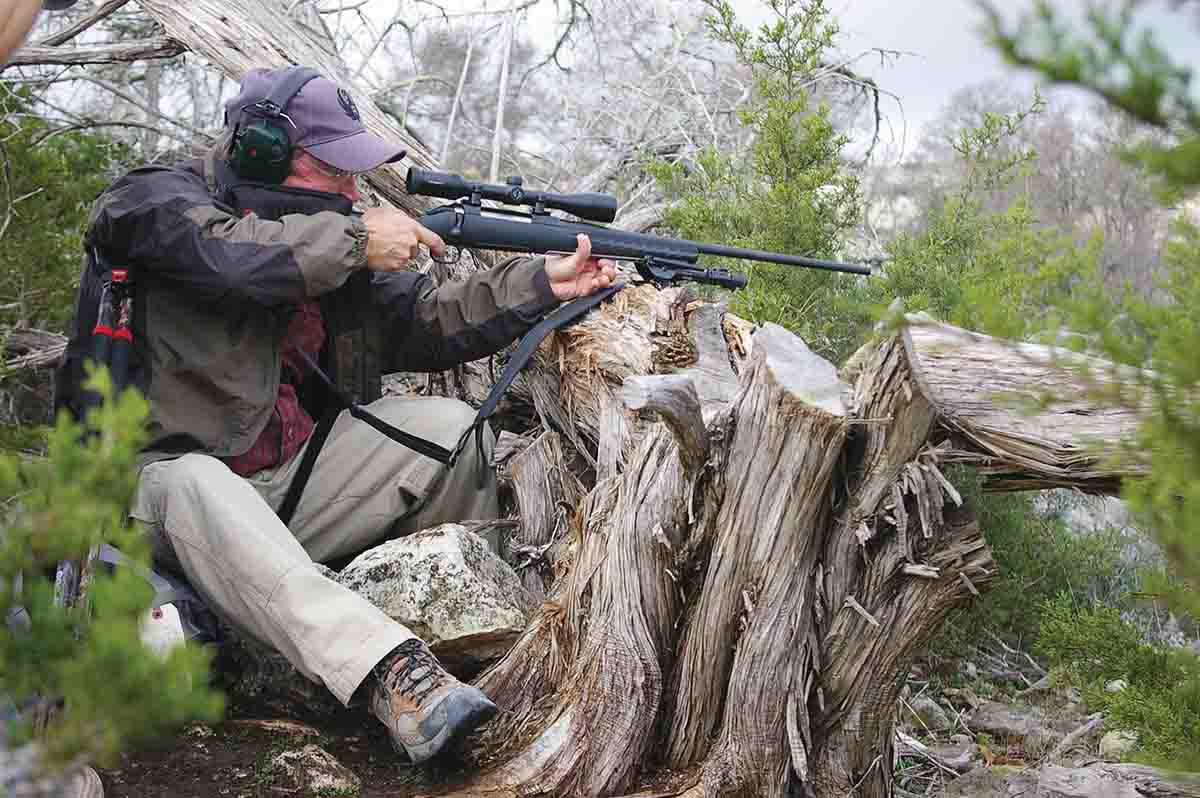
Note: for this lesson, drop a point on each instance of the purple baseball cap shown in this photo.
(324, 121)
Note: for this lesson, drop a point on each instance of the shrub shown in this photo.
(1039, 557)
(115, 690)
(1090, 646)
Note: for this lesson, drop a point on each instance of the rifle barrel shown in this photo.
(775, 257)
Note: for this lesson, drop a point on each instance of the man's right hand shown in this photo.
(394, 238)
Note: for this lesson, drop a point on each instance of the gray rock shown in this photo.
(1115, 686)
(994, 782)
(925, 713)
(449, 588)
(962, 697)
(444, 584)
(313, 771)
(1058, 782)
(1114, 781)
(249, 669)
(956, 756)
(1117, 743)
(1009, 723)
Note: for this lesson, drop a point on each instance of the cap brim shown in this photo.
(360, 152)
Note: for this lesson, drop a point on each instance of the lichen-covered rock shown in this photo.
(993, 782)
(1116, 744)
(448, 586)
(962, 697)
(926, 714)
(445, 584)
(312, 771)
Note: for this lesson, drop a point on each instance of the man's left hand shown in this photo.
(579, 274)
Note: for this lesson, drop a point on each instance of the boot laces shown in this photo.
(411, 670)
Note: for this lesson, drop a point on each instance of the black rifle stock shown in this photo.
(466, 223)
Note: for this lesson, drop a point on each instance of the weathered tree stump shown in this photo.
(745, 596)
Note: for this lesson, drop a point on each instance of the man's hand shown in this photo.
(394, 238)
(580, 274)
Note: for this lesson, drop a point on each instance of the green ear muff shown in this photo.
(261, 152)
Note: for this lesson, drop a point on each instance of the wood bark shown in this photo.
(546, 493)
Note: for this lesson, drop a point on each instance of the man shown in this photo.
(17, 18)
(239, 314)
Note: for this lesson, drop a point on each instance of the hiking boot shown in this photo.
(424, 708)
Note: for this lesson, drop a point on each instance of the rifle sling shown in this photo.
(521, 356)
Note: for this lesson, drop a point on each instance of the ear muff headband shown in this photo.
(262, 149)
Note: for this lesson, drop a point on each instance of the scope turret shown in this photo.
(592, 206)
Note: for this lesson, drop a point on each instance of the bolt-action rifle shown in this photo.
(467, 223)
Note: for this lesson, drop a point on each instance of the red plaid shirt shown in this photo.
(290, 425)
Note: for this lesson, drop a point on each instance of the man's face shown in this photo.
(311, 173)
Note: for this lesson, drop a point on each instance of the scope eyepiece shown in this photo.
(594, 207)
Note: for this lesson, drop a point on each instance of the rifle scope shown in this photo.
(591, 206)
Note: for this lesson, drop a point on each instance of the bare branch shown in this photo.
(122, 52)
(151, 113)
(64, 36)
(462, 80)
(497, 135)
(85, 122)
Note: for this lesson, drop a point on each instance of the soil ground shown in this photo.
(233, 758)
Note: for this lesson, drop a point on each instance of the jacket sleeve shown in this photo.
(431, 327)
(164, 221)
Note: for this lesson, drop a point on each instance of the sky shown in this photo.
(946, 51)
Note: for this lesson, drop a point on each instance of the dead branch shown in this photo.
(118, 53)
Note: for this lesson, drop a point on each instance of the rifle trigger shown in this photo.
(459, 215)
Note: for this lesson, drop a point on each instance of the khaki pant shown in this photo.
(222, 531)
